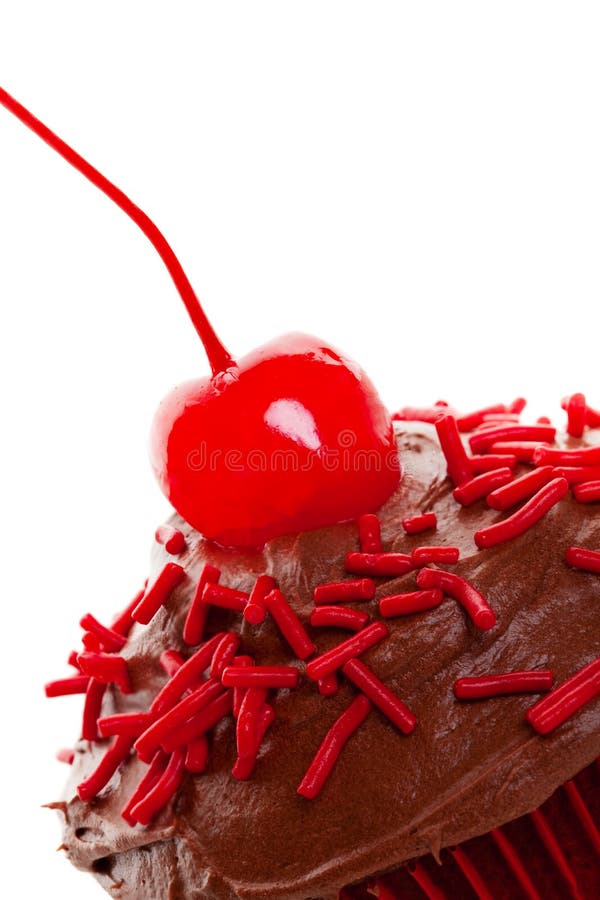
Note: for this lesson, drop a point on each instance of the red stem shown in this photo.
(218, 357)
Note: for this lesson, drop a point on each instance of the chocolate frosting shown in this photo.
(467, 768)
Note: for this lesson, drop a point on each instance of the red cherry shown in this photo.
(293, 437)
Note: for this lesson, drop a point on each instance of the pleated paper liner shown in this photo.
(550, 854)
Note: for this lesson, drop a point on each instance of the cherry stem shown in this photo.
(218, 357)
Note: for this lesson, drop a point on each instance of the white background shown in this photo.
(418, 183)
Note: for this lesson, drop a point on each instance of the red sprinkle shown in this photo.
(165, 788)
(486, 439)
(159, 592)
(353, 646)
(517, 406)
(489, 461)
(131, 724)
(578, 474)
(592, 417)
(459, 468)
(171, 538)
(520, 489)
(225, 597)
(290, 625)
(66, 755)
(170, 661)
(566, 699)
(159, 729)
(576, 410)
(91, 642)
(442, 555)
(72, 660)
(156, 769)
(585, 456)
(523, 451)
(92, 709)
(418, 524)
(344, 591)
(124, 622)
(588, 492)
(456, 587)
(224, 654)
(255, 610)
(409, 603)
(196, 756)
(195, 622)
(380, 695)
(329, 685)
(479, 487)
(530, 513)
(185, 676)
(248, 719)
(240, 693)
(116, 754)
(338, 617)
(110, 640)
(369, 531)
(107, 669)
(422, 413)
(387, 565)
(200, 723)
(260, 676)
(326, 756)
(244, 765)
(65, 686)
(505, 683)
(587, 560)
(471, 420)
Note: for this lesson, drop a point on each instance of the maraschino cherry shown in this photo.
(292, 436)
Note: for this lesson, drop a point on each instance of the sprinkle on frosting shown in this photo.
(419, 523)
(566, 699)
(338, 617)
(522, 520)
(475, 688)
(387, 702)
(193, 630)
(459, 589)
(172, 539)
(388, 565)
(410, 603)
(332, 745)
(369, 532)
(157, 594)
(443, 556)
(335, 658)
(344, 591)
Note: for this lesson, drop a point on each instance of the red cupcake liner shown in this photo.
(550, 854)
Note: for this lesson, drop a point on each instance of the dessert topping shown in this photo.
(526, 516)
(566, 699)
(338, 617)
(418, 524)
(495, 685)
(459, 589)
(172, 539)
(332, 745)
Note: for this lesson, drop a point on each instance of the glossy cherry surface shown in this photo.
(292, 437)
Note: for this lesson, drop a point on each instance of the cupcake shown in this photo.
(405, 705)
(366, 660)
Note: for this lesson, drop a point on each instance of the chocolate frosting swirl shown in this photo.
(467, 768)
